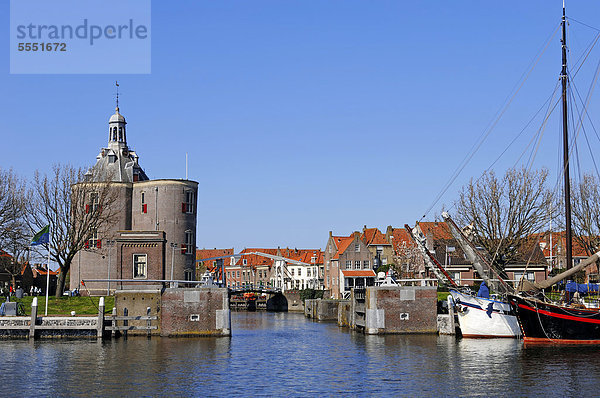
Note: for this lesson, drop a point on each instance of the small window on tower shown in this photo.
(114, 133)
(189, 242)
(120, 133)
(94, 201)
(188, 205)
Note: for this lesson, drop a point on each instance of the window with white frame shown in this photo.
(189, 202)
(140, 266)
(189, 242)
(366, 264)
(357, 248)
(308, 272)
(357, 264)
(299, 271)
(348, 264)
(94, 201)
(93, 242)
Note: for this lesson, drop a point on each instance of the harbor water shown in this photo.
(285, 354)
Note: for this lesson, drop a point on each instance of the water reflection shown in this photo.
(286, 354)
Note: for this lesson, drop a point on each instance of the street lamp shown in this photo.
(110, 243)
(173, 246)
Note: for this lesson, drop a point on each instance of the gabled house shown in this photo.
(348, 264)
(380, 247)
(407, 258)
(553, 245)
(529, 262)
(290, 276)
(250, 269)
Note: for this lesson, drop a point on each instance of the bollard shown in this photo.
(114, 322)
(148, 322)
(125, 322)
(34, 305)
(100, 326)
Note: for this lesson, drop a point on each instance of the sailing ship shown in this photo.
(540, 319)
(478, 316)
(482, 316)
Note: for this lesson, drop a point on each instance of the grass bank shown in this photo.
(64, 305)
(442, 296)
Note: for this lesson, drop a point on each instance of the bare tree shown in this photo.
(585, 208)
(13, 230)
(76, 206)
(505, 212)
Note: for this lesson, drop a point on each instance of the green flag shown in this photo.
(41, 237)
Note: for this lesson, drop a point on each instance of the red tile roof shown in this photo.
(440, 230)
(40, 270)
(558, 242)
(373, 236)
(342, 244)
(363, 273)
(254, 260)
(210, 253)
(303, 255)
(401, 240)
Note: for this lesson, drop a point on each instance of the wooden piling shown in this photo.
(125, 322)
(148, 322)
(114, 322)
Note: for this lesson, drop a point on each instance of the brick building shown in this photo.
(348, 263)
(379, 245)
(154, 235)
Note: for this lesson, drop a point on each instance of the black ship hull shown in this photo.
(544, 322)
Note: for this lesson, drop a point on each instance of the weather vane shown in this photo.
(117, 84)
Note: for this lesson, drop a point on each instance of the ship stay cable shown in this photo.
(488, 130)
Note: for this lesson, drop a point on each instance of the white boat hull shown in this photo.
(480, 317)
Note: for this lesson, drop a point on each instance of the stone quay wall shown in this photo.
(398, 309)
(322, 310)
(181, 312)
(195, 312)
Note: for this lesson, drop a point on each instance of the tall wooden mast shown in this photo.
(567, 183)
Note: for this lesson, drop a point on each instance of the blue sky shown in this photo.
(303, 117)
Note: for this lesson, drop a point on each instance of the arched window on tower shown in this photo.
(120, 133)
(114, 133)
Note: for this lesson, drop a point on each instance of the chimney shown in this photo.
(330, 234)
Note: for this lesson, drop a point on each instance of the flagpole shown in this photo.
(47, 281)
